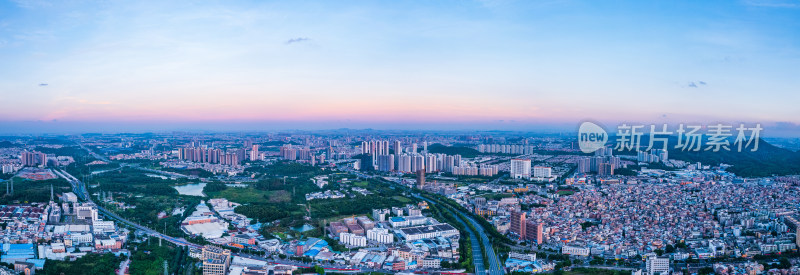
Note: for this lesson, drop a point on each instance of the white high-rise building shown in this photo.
(364, 147)
(8, 168)
(541, 172)
(254, 154)
(386, 163)
(430, 164)
(417, 163)
(398, 150)
(448, 162)
(521, 168)
(380, 235)
(352, 240)
(380, 214)
(405, 163)
(657, 265)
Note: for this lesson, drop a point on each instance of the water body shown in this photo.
(195, 189)
(157, 176)
(101, 171)
(236, 185)
(303, 228)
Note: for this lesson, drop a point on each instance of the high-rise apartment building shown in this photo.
(421, 178)
(386, 163)
(540, 172)
(518, 224)
(254, 154)
(657, 265)
(601, 165)
(215, 260)
(534, 231)
(33, 158)
(521, 168)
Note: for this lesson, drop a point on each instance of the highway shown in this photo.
(495, 268)
(135, 166)
(80, 190)
(477, 254)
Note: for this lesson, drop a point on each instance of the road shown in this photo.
(477, 254)
(123, 267)
(103, 158)
(95, 155)
(495, 268)
(80, 190)
(165, 173)
(83, 193)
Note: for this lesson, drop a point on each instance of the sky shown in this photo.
(522, 65)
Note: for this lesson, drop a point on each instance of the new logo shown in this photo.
(591, 137)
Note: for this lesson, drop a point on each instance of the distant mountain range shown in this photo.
(768, 160)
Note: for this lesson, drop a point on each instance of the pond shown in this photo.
(304, 228)
(195, 189)
(236, 185)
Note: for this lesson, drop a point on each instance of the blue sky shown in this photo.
(384, 64)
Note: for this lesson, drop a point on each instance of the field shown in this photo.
(252, 195)
(89, 264)
(149, 195)
(241, 195)
(496, 196)
(361, 184)
(402, 199)
(148, 207)
(33, 191)
(384, 196)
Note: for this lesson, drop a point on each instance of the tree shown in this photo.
(445, 264)
(784, 263)
(705, 271)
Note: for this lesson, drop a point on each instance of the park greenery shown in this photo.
(149, 258)
(27, 191)
(130, 180)
(146, 197)
(465, 245)
(89, 264)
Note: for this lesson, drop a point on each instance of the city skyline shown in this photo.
(462, 65)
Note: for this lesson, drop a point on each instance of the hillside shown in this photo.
(465, 152)
(768, 160)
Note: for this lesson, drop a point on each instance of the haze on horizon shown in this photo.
(518, 65)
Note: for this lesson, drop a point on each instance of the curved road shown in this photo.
(477, 254)
(495, 268)
(80, 190)
(83, 193)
